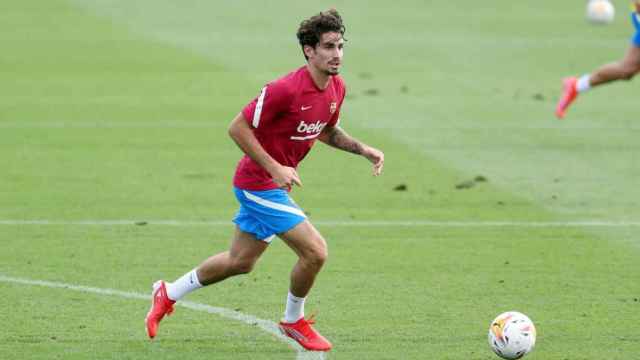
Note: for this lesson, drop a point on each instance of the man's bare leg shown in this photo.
(311, 249)
(244, 252)
(624, 69)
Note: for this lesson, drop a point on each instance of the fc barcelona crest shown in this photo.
(333, 107)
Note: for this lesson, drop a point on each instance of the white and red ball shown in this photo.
(512, 335)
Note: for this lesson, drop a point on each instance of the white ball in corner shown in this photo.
(600, 11)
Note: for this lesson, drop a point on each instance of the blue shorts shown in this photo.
(635, 18)
(266, 213)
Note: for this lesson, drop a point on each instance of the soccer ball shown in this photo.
(600, 11)
(512, 335)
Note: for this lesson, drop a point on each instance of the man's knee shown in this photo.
(630, 70)
(628, 74)
(242, 265)
(320, 256)
(317, 255)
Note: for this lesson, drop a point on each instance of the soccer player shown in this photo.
(275, 131)
(624, 69)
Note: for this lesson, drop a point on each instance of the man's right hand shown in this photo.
(285, 177)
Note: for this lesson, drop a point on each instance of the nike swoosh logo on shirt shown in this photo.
(303, 108)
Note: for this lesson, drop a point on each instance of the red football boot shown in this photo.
(302, 332)
(569, 94)
(161, 305)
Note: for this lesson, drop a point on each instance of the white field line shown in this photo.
(265, 325)
(340, 223)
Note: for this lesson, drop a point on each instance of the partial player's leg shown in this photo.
(624, 69)
(311, 248)
(244, 252)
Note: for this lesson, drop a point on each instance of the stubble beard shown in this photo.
(330, 71)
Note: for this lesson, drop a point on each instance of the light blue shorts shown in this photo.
(266, 213)
(635, 18)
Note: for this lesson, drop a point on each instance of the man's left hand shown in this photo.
(376, 157)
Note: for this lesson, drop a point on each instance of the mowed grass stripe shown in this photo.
(345, 223)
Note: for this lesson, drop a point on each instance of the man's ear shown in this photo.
(308, 50)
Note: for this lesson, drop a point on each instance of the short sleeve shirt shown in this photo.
(287, 117)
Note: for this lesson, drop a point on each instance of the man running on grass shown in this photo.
(276, 131)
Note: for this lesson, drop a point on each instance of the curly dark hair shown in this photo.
(311, 29)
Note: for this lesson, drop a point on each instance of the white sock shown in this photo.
(295, 308)
(583, 83)
(184, 285)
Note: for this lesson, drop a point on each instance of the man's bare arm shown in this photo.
(242, 134)
(336, 137)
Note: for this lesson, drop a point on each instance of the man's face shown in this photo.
(327, 55)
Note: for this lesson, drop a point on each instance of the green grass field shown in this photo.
(117, 111)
